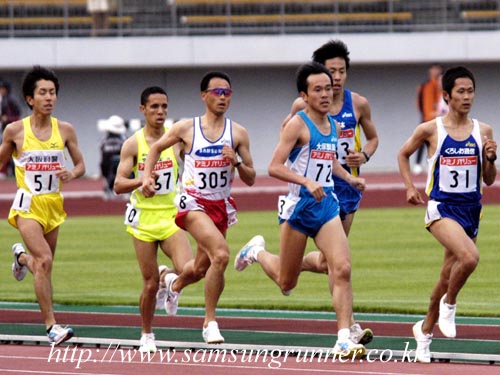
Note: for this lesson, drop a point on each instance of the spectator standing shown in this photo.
(10, 111)
(110, 148)
(99, 10)
(429, 97)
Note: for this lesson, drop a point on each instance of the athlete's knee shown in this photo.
(287, 284)
(470, 262)
(150, 287)
(199, 272)
(342, 272)
(220, 258)
(42, 263)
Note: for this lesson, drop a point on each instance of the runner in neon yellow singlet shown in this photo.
(37, 145)
(150, 221)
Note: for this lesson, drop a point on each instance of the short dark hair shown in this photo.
(207, 77)
(452, 74)
(33, 76)
(148, 91)
(305, 70)
(331, 50)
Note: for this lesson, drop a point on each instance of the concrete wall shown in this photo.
(101, 77)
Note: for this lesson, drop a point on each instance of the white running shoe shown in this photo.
(18, 270)
(423, 352)
(161, 294)
(147, 343)
(211, 333)
(446, 321)
(58, 334)
(248, 253)
(348, 349)
(172, 300)
(359, 335)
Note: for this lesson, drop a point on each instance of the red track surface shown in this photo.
(24, 359)
(383, 190)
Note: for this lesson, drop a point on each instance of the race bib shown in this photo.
(346, 141)
(165, 183)
(41, 177)
(212, 175)
(320, 167)
(22, 201)
(185, 202)
(132, 215)
(286, 206)
(458, 174)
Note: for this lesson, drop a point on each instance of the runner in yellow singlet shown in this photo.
(150, 221)
(36, 144)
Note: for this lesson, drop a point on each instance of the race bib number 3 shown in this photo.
(346, 141)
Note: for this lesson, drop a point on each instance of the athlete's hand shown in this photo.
(413, 196)
(354, 159)
(64, 175)
(315, 189)
(490, 148)
(228, 153)
(148, 185)
(358, 182)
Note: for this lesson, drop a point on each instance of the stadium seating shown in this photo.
(479, 14)
(298, 18)
(53, 21)
(43, 3)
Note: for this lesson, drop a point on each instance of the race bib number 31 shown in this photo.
(458, 174)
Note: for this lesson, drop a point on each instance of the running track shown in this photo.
(84, 197)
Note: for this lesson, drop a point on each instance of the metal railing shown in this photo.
(70, 18)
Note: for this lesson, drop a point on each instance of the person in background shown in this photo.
(150, 221)
(429, 101)
(110, 148)
(99, 11)
(10, 111)
(37, 144)
(462, 157)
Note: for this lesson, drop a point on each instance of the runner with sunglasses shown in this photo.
(215, 147)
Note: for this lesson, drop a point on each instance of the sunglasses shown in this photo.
(220, 91)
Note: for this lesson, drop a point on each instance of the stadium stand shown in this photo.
(211, 17)
(298, 18)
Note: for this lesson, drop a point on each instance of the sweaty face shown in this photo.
(44, 97)
(216, 101)
(319, 92)
(156, 109)
(462, 95)
(338, 70)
